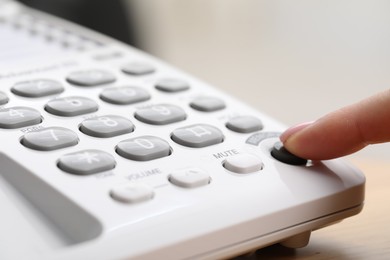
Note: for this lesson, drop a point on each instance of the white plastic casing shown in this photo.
(50, 214)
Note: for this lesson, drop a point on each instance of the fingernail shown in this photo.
(293, 130)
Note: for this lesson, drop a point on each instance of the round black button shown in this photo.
(281, 154)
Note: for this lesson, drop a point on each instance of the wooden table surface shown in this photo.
(364, 236)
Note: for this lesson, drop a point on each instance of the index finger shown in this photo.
(342, 132)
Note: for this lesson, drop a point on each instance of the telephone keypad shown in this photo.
(140, 148)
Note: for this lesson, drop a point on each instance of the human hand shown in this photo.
(342, 132)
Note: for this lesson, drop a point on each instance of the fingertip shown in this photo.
(293, 130)
(293, 142)
(325, 139)
(342, 132)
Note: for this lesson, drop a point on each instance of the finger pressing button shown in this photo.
(281, 154)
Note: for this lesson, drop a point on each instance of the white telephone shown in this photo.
(109, 153)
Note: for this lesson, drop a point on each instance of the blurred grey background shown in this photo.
(294, 60)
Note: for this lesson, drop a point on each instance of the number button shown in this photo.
(172, 85)
(88, 78)
(244, 124)
(138, 68)
(71, 106)
(199, 135)
(106, 126)
(207, 104)
(37, 88)
(49, 139)
(124, 95)
(17, 117)
(143, 148)
(160, 114)
(86, 162)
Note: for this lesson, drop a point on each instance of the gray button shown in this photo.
(3, 98)
(86, 162)
(71, 106)
(88, 78)
(143, 148)
(244, 124)
(207, 104)
(199, 135)
(189, 178)
(124, 95)
(172, 85)
(37, 88)
(16, 117)
(138, 68)
(51, 138)
(243, 163)
(132, 193)
(106, 126)
(160, 114)
(257, 138)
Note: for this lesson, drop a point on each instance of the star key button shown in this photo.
(86, 162)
